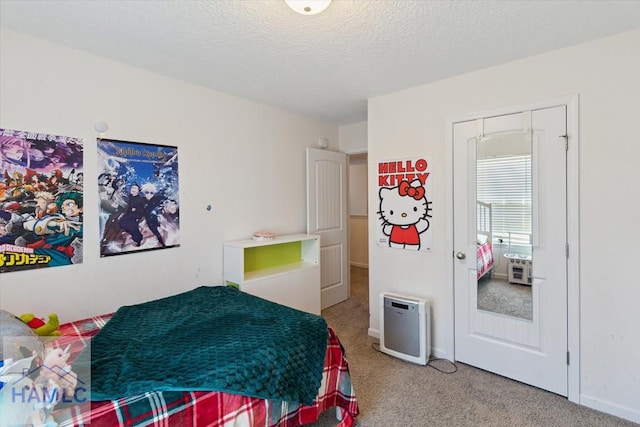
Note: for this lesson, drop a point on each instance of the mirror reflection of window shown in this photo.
(504, 224)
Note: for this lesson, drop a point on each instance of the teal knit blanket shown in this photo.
(211, 338)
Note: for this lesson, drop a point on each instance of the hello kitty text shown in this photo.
(392, 173)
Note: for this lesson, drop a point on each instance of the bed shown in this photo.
(484, 251)
(166, 402)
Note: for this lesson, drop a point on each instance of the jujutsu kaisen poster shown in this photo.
(138, 192)
(404, 191)
(41, 200)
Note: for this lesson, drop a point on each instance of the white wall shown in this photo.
(353, 138)
(245, 159)
(606, 75)
(358, 184)
(358, 241)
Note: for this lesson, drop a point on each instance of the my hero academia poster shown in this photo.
(41, 200)
(138, 192)
(404, 190)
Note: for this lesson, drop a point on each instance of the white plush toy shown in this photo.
(20, 352)
(17, 340)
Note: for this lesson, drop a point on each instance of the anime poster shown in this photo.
(404, 190)
(41, 200)
(138, 192)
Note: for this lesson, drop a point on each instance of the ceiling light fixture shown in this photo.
(308, 7)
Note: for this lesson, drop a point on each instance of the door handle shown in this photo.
(461, 255)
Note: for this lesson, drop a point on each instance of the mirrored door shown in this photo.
(509, 220)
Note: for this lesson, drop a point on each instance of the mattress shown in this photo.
(206, 408)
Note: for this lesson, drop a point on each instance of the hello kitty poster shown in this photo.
(404, 209)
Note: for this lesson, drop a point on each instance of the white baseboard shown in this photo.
(359, 264)
(440, 354)
(435, 352)
(610, 408)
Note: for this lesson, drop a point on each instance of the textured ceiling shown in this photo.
(326, 65)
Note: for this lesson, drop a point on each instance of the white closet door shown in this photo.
(327, 217)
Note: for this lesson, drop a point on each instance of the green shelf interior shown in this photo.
(262, 257)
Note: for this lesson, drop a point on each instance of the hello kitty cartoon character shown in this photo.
(404, 211)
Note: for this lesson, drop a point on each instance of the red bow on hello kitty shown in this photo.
(405, 189)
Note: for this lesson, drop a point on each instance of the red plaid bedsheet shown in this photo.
(485, 258)
(214, 409)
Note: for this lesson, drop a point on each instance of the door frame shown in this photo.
(350, 154)
(573, 228)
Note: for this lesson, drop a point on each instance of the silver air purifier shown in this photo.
(405, 332)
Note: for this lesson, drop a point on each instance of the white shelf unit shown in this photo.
(285, 269)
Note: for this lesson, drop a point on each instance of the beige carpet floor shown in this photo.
(500, 296)
(394, 393)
